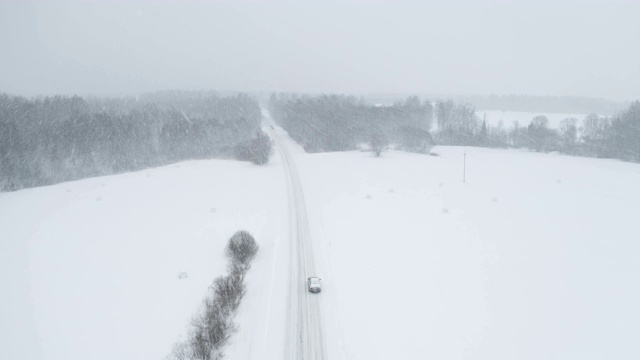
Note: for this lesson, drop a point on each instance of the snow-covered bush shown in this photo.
(378, 142)
(257, 150)
(241, 249)
(212, 326)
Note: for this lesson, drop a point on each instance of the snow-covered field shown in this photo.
(91, 267)
(536, 256)
(494, 117)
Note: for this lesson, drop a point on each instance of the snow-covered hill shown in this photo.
(535, 256)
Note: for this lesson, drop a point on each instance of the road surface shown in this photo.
(305, 330)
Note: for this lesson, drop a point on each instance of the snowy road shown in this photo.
(305, 330)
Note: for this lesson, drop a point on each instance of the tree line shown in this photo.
(54, 139)
(337, 123)
(616, 137)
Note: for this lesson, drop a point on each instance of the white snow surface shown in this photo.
(534, 257)
(92, 267)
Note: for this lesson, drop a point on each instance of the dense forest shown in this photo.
(54, 139)
(338, 123)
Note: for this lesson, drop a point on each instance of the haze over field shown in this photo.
(577, 48)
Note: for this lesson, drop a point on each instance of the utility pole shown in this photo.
(464, 168)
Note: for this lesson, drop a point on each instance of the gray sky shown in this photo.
(582, 48)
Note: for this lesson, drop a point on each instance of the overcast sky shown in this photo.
(582, 48)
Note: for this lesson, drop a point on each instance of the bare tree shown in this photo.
(378, 141)
(241, 249)
(228, 291)
(198, 342)
(180, 351)
(569, 134)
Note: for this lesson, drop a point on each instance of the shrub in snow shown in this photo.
(311, 148)
(183, 275)
(257, 150)
(378, 142)
(212, 327)
(241, 249)
(228, 290)
(414, 139)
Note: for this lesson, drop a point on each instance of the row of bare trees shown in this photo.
(212, 326)
(616, 137)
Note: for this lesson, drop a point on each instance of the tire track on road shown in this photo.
(305, 327)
